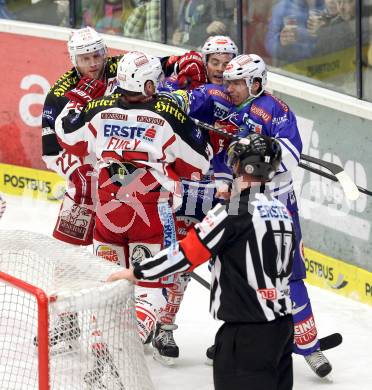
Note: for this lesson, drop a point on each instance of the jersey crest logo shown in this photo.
(140, 252)
(266, 117)
(270, 294)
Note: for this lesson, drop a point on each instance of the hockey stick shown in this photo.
(199, 279)
(330, 177)
(331, 341)
(350, 189)
(207, 126)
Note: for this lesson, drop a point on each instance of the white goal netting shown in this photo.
(88, 326)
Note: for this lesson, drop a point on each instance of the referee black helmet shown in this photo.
(256, 155)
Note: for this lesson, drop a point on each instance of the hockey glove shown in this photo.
(76, 216)
(169, 65)
(86, 90)
(191, 71)
(226, 125)
(80, 185)
(218, 141)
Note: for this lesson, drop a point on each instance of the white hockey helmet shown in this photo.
(219, 44)
(247, 67)
(83, 41)
(135, 68)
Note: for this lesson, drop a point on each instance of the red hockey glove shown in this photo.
(191, 70)
(86, 90)
(218, 141)
(227, 126)
(80, 185)
(170, 65)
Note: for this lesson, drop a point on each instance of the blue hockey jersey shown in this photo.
(270, 116)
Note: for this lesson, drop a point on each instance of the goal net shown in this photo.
(61, 325)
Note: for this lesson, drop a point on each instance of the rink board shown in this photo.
(337, 276)
(35, 183)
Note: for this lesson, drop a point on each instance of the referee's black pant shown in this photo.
(254, 356)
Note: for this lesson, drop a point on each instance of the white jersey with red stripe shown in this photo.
(155, 135)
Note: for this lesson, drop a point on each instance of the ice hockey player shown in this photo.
(207, 102)
(250, 287)
(143, 144)
(257, 111)
(93, 75)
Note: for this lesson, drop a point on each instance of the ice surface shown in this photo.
(352, 361)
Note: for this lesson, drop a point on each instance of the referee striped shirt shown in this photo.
(251, 240)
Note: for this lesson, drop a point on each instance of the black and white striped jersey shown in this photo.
(251, 240)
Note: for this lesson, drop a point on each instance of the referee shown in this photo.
(251, 239)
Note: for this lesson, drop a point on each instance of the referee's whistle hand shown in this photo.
(123, 274)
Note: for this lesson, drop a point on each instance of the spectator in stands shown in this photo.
(144, 21)
(107, 16)
(288, 38)
(346, 9)
(335, 32)
(338, 38)
(255, 25)
(4, 12)
(199, 19)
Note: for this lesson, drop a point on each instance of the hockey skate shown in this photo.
(64, 334)
(319, 363)
(147, 344)
(165, 348)
(104, 374)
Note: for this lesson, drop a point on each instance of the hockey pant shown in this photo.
(176, 291)
(123, 236)
(198, 199)
(254, 356)
(305, 331)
